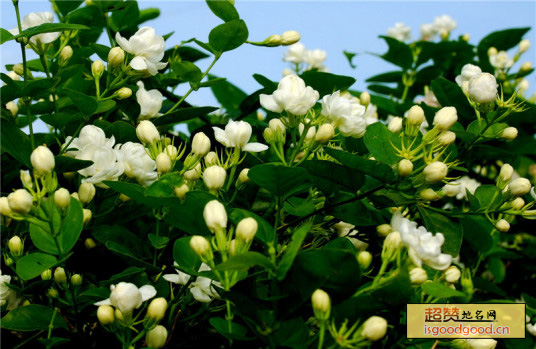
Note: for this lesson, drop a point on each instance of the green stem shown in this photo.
(51, 326)
(157, 228)
(322, 334)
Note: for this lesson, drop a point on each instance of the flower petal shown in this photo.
(138, 63)
(220, 136)
(147, 292)
(255, 147)
(268, 102)
(199, 295)
(122, 42)
(104, 302)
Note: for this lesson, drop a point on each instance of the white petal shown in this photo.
(173, 278)
(255, 147)
(138, 63)
(104, 302)
(268, 102)
(199, 295)
(220, 135)
(147, 292)
(122, 42)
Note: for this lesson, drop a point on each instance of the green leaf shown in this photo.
(187, 71)
(222, 327)
(67, 164)
(298, 236)
(60, 120)
(227, 94)
(121, 236)
(477, 232)
(265, 230)
(278, 179)
(86, 104)
(244, 261)
(16, 143)
(165, 186)
(327, 83)
(182, 115)
(49, 28)
(5, 36)
(502, 41)
(158, 242)
(223, 9)
(72, 226)
(449, 94)
(104, 106)
(438, 290)
(67, 6)
(399, 53)
(379, 141)
(372, 168)
(188, 216)
(451, 230)
(32, 317)
(329, 176)
(185, 257)
(489, 197)
(393, 76)
(497, 269)
(37, 87)
(147, 14)
(298, 206)
(350, 57)
(42, 239)
(126, 17)
(33, 264)
(122, 131)
(356, 212)
(228, 36)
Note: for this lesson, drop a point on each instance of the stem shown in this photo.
(51, 326)
(321, 334)
(229, 317)
(157, 233)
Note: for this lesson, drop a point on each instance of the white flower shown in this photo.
(346, 114)
(422, 245)
(315, 59)
(4, 289)
(42, 160)
(295, 53)
(468, 72)
(501, 60)
(126, 296)
(427, 31)
(483, 343)
(136, 163)
(150, 102)
(179, 278)
(400, 31)
(89, 135)
(483, 88)
(371, 114)
(291, 95)
(374, 328)
(202, 288)
(444, 24)
(458, 187)
(148, 49)
(33, 20)
(531, 328)
(237, 135)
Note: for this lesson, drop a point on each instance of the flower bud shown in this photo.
(97, 68)
(517, 203)
(8, 261)
(119, 315)
(395, 125)
(483, 88)
(26, 179)
(446, 138)
(46, 275)
(124, 93)
(524, 46)
(290, 37)
(53, 293)
(246, 229)
(418, 276)
(18, 69)
(415, 115)
(325, 133)
(269, 135)
(517, 187)
(86, 192)
(172, 152)
(62, 198)
(20, 201)
(200, 245)
(5, 210)
(157, 337)
(405, 167)
(211, 159)
(12, 107)
(215, 215)
(466, 37)
(502, 225)
(87, 215)
(42, 160)
(310, 132)
(435, 172)
(65, 55)
(429, 194)
(374, 328)
(147, 132)
(76, 280)
(105, 314)
(193, 174)
(364, 258)
(75, 195)
(364, 98)
(163, 163)
(200, 144)
(383, 230)
(181, 191)
(59, 275)
(279, 130)
(243, 176)
(90, 243)
(15, 245)
(509, 133)
(273, 40)
(232, 247)
(506, 172)
(452, 274)
(321, 304)
(214, 177)
(391, 245)
(526, 66)
(116, 56)
(445, 118)
(157, 309)
(492, 51)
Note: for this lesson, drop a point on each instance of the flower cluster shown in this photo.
(306, 59)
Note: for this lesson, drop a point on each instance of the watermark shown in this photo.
(466, 320)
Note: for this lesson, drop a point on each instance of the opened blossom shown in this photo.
(136, 163)
(150, 102)
(346, 114)
(202, 288)
(291, 95)
(400, 31)
(295, 53)
(147, 48)
(459, 187)
(35, 19)
(444, 24)
(126, 296)
(236, 135)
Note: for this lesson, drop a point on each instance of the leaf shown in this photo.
(489, 197)
(438, 290)
(188, 216)
(327, 83)
(121, 236)
(244, 261)
(356, 213)
(182, 115)
(61, 119)
(449, 94)
(185, 257)
(147, 14)
(399, 53)
(16, 143)
(223, 9)
(42, 239)
(222, 327)
(299, 207)
(49, 28)
(265, 231)
(372, 168)
(32, 317)
(325, 172)
(477, 232)
(122, 131)
(393, 76)
(72, 226)
(37, 87)
(5, 36)
(379, 141)
(228, 36)
(452, 231)
(67, 6)
(86, 104)
(165, 186)
(67, 164)
(33, 264)
(298, 236)
(126, 17)
(227, 94)
(502, 41)
(278, 179)
(187, 71)
(350, 57)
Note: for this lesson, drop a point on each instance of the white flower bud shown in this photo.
(290, 37)
(5, 210)
(393, 241)
(62, 198)
(277, 126)
(243, 176)
(26, 179)
(445, 118)
(12, 107)
(97, 68)
(273, 40)
(325, 133)
(14, 76)
(20, 201)
(526, 66)
(517, 187)
(46, 275)
(86, 192)
(415, 115)
(321, 304)
(435, 172)
(524, 46)
(405, 167)
(157, 309)
(163, 163)
(509, 133)
(364, 99)
(246, 229)
(15, 245)
(506, 172)
(215, 215)
(172, 151)
(87, 215)
(268, 135)
(181, 191)
(124, 93)
(483, 88)
(383, 230)
(193, 174)
(89, 243)
(59, 275)
(76, 280)
(18, 69)
(502, 225)
(53, 293)
(116, 56)
(395, 125)
(214, 177)
(374, 328)
(200, 144)
(517, 203)
(200, 245)
(75, 195)
(157, 337)
(42, 160)
(310, 132)
(492, 51)
(287, 72)
(364, 258)
(418, 276)
(232, 247)
(452, 274)
(66, 54)
(147, 132)
(105, 314)
(446, 138)
(428, 194)
(466, 37)
(211, 159)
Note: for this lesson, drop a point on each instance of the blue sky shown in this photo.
(333, 26)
